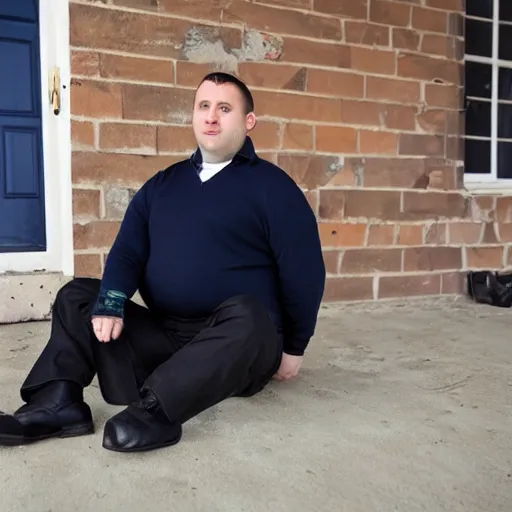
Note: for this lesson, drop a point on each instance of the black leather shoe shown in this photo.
(142, 426)
(53, 412)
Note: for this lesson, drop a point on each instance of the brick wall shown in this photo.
(358, 100)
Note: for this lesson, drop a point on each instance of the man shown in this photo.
(225, 252)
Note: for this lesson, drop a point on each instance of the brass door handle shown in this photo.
(54, 86)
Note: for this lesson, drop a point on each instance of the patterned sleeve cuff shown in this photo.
(110, 303)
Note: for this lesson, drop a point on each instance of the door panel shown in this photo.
(22, 213)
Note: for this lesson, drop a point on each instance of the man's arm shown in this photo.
(127, 257)
(295, 242)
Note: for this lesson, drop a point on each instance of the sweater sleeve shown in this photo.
(128, 255)
(295, 242)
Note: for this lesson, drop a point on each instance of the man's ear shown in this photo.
(250, 121)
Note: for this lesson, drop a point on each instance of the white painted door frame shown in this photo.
(55, 51)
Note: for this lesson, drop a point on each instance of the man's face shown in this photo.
(219, 120)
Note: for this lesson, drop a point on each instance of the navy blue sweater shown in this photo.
(187, 246)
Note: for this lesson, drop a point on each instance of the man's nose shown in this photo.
(211, 116)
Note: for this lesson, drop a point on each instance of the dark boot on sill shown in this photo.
(140, 427)
(55, 410)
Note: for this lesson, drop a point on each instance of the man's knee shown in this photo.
(248, 309)
(80, 289)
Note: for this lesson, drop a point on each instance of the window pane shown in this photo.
(478, 118)
(505, 120)
(505, 47)
(481, 8)
(478, 79)
(505, 84)
(504, 159)
(477, 156)
(478, 37)
(505, 10)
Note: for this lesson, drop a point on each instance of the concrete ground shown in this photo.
(399, 407)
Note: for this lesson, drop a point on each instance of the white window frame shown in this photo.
(54, 52)
(490, 180)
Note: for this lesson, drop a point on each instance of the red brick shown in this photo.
(318, 53)
(153, 103)
(421, 145)
(96, 168)
(389, 172)
(348, 289)
(266, 135)
(95, 235)
(377, 142)
(342, 235)
(343, 8)
(141, 138)
(295, 106)
(432, 121)
(141, 4)
(280, 21)
(190, 74)
(335, 83)
(85, 63)
(331, 261)
(444, 96)
(442, 178)
(362, 112)
(484, 257)
(267, 75)
(298, 4)
(429, 19)
(432, 258)
(410, 234)
(367, 261)
(504, 209)
(336, 139)
(405, 39)
(505, 232)
(373, 61)
(95, 99)
(456, 24)
(194, 9)
(428, 68)
(439, 45)
(452, 283)
(490, 236)
(310, 171)
(409, 285)
(482, 208)
(390, 13)
(141, 33)
(87, 265)
(370, 204)
(86, 203)
(82, 133)
(366, 33)
(298, 136)
(400, 117)
(131, 68)
(449, 5)
(433, 205)
(435, 234)
(404, 91)
(176, 139)
(381, 234)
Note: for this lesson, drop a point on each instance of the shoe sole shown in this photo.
(74, 431)
(142, 448)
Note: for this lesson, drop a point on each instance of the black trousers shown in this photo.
(190, 365)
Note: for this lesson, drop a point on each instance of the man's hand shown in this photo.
(289, 367)
(107, 328)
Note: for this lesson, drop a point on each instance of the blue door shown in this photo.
(22, 212)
